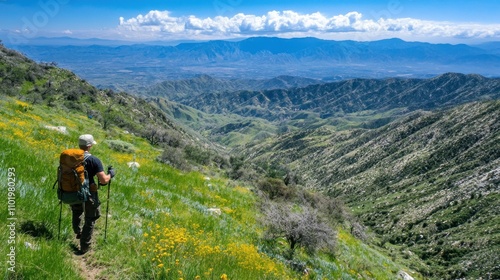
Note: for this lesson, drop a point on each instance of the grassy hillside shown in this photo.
(426, 184)
(160, 222)
(159, 225)
(46, 84)
(51, 86)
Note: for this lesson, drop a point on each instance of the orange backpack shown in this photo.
(72, 177)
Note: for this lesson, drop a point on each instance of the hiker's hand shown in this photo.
(111, 171)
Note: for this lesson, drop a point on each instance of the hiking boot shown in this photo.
(83, 250)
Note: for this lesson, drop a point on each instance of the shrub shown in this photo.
(300, 228)
(121, 146)
(198, 155)
(157, 135)
(174, 157)
(276, 188)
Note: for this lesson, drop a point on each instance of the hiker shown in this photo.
(94, 167)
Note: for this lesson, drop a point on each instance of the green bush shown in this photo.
(276, 188)
(121, 146)
(175, 158)
(198, 155)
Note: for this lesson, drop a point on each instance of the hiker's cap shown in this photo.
(86, 140)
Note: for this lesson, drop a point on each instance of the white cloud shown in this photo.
(160, 24)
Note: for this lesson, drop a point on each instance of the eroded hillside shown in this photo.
(429, 182)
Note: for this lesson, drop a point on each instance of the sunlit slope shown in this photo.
(160, 225)
(427, 182)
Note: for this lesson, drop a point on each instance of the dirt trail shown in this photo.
(87, 270)
(86, 265)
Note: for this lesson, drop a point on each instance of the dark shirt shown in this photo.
(93, 165)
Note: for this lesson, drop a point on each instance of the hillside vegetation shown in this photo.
(177, 90)
(415, 161)
(162, 223)
(235, 118)
(427, 184)
(349, 96)
(48, 85)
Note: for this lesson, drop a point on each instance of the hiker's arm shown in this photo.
(103, 177)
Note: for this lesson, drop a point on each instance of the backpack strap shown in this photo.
(86, 155)
(86, 184)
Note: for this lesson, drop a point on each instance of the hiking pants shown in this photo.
(92, 213)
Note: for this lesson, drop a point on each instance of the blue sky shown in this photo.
(145, 20)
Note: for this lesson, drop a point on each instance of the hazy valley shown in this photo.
(134, 67)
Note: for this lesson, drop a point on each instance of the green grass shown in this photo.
(159, 223)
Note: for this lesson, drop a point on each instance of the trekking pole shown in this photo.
(107, 209)
(59, 227)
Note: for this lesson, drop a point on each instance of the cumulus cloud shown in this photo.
(162, 24)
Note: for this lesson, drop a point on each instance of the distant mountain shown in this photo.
(136, 67)
(177, 90)
(427, 184)
(493, 47)
(350, 96)
(59, 41)
(13, 39)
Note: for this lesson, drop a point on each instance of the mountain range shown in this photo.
(235, 118)
(418, 162)
(135, 67)
(178, 90)
(416, 159)
(347, 96)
